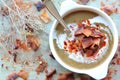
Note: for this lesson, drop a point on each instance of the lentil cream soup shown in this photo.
(94, 49)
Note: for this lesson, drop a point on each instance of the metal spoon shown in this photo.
(51, 8)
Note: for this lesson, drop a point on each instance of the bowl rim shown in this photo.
(115, 37)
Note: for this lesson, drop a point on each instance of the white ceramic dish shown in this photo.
(100, 71)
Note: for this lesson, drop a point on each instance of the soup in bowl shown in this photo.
(91, 44)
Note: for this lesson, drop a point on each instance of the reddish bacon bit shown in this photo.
(23, 74)
(22, 5)
(108, 9)
(41, 67)
(4, 11)
(32, 41)
(15, 57)
(20, 44)
(110, 72)
(119, 45)
(50, 74)
(87, 32)
(46, 71)
(51, 55)
(12, 76)
(89, 53)
(96, 41)
(9, 52)
(81, 25)
(88, 40)
(66, 76)
(118, 61)
(84, 77)
(84, 1)
(115, 56)
(79, 31)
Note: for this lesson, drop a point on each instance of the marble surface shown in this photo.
(45, 50)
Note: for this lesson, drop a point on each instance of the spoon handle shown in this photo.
(51, 8)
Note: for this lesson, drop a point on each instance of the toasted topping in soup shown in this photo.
(88, 40)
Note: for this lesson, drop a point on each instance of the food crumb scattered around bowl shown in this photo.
(109, 9)
(49, 75)
(21, 74)
(41, 67)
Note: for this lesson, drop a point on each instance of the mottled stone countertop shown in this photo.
(44, 50)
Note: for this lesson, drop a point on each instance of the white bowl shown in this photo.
(100, 71)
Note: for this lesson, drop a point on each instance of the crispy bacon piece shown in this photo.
(12, 76)
(15, 57)
(115, 56)
(118, 47)
(79, 31)
(87, 32)
(51, 73)
(51, 55)
(41, 67)
(96, 41)
(86, 42)
(22, 5)
(4, 11)
(84, 1)
(23, 74)
(96, 33)
(20, 44)
(108, 9)
(89, 53)
(84, 77)
(80, 25)
(66, 76)
(118, 61)
(80, 37)
(32, 41)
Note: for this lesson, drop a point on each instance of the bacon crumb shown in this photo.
(9, 52)
(84, 2)
(119, 46)
(88, 40)
(108, 9)
(41, 67)
(66, 76)
(51, 73)
(4, 11)
(46, 71)
(84, 77)
(51, 55)
(32, 41)
(15, 57)
(118, 61)
(23, 74)
(12, 76)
